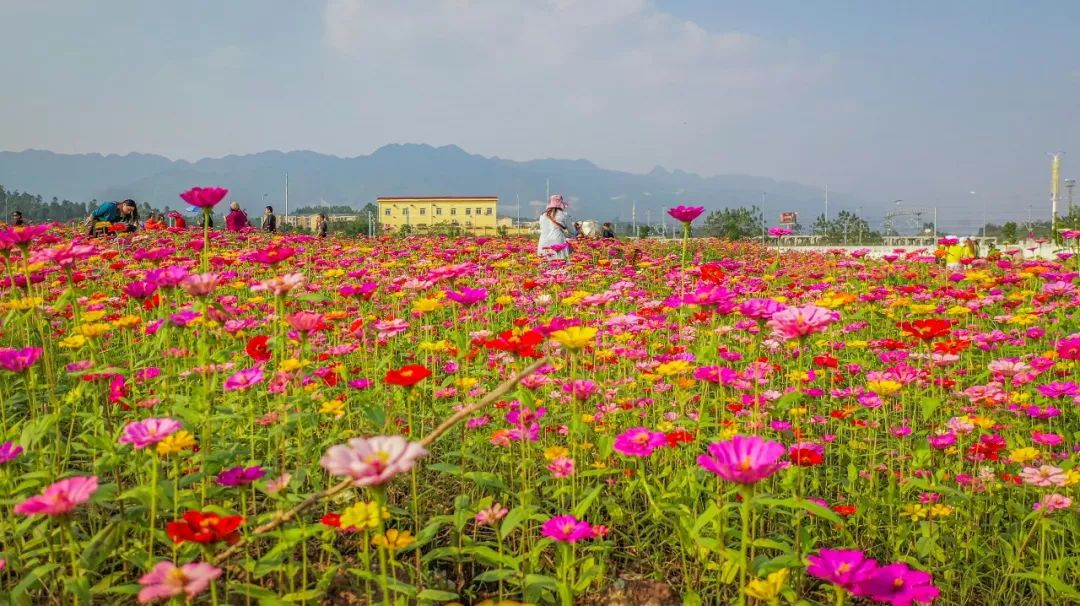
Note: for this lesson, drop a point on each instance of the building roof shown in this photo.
(390, 198)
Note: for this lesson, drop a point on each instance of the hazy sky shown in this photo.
(922, 100)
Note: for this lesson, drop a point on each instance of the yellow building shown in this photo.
(470, 213)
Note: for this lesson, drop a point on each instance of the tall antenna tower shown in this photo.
(1055, 188)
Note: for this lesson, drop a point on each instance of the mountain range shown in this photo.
(256, 180)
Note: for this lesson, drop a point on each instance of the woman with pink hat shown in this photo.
(553, 230)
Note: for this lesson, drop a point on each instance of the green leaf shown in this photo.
(30, 580)
(491, 576)
(929, 406)
(513, 519)
(435, 595)
(583, 506)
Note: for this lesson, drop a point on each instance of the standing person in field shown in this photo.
(971, 249)
(553, 232)
(17, 218)
(322, 227)
(269, 220)
(237, 219)
(607, 231)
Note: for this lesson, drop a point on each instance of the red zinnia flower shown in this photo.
(200, 527)
(825, 361)
(926, 329)
(332, 520)
(407, 376)
(951, 346)
(679, 436)
(257, 349)
(844, 510)
(523, 344)
(805, 457)
(711, 272)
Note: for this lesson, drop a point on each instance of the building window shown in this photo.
(387, 212)
(487, 211)
(438, 210)
(478, 211)
(405, 212)
(422, 211)
(468, 211)
(453, 211)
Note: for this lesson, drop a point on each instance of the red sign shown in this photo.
(789, 218)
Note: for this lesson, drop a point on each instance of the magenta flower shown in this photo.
(779, 232)
(899, 585)
(140, 289)
(141, 434)
(21, 235)
(204, 197)
(942, 441)
(743, 459)
(166, 580)
(467, 296)
(372, 461)
(844, 567)
(244, 379)
(798, 322)
(1059, 389)
(686, 214)
(639, 442)
(761, 309)
(240, 476)
(18, 360)
(60, 498)
(562, 467)
(8, 452)
(566, 529)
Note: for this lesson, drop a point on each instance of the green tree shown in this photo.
(1010, 232)
(733, 223)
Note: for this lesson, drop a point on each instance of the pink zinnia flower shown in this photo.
(686, 214)
(8, 451)
(201, 285)
(204, 197)
(899, 585)
(562, 467)
(244, 379)
(778, 232)
(18, 360)
(60, 498)
(743, 459)
(240, 476)
(372, 461)
(797, 322)
(141, 434)
(639, 442)
(843, 567)
(166, 580)
(566, 529)
(467, 296)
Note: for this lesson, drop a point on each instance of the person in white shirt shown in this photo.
(553, 230)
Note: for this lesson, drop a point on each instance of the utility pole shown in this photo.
(763, 218)
(633, 217)
(286, 198)
(1055, 184)
(1069, 185)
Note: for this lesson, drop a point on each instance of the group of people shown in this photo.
(955, 252)
(554, 235)
(237, 219)
(111, 217)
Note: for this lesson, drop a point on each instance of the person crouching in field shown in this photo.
(125, 214)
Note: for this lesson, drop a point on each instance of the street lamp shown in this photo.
(983, 198)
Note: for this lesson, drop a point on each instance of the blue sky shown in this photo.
(922, 101)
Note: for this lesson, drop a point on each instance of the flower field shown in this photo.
(257, 419)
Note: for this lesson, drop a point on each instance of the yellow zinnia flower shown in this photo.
(174, 443)
(364, 515)
(333, 407)
(575, 337)
(769, 587)
(393, 539)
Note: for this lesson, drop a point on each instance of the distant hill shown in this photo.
(400, 170)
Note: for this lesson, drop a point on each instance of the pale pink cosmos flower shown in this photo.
(166, 580)
(488, 517)
(141, 434)
(1045, 475)
(280, 286)
(372, 461)
(60, 498)
(278, 484)
(1052, 502)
